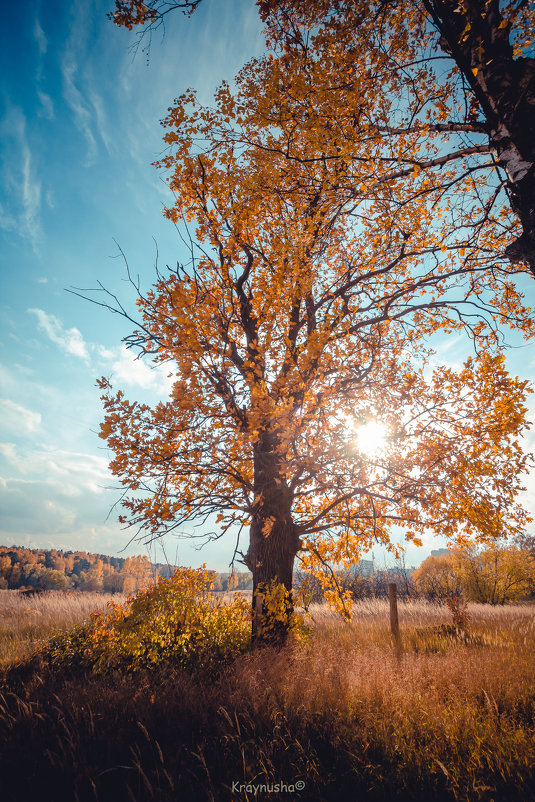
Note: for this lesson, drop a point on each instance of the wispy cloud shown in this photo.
(101, 119)
(40, 38)
(47, 106)
(79, 88)
(31, 197)
(42, 46)
(22, 186)
(16, 418)
(7, 221)
(69, 340)
(75, 101)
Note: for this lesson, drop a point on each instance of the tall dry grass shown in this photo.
(26, 620)
(451, 718)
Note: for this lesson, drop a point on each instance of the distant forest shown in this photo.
(52, 569)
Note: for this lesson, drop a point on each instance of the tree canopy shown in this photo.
(452, 83)
(326, 249)
(457, 80)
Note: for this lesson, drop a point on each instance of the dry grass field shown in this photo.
(336, 716)
(26, 620)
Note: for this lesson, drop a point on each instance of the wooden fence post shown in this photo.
(394, 620)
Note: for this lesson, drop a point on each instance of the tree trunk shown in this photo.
(271, 560)
(478, 41)
(273, 545)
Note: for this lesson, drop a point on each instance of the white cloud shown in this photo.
(70, 340)
(106, 353)
(9, 451)
(74, 99)
(137, 373)
(59, 495)
(121, 362)
(69, 473)
(47, 106)
(40, 38)
(14, 417)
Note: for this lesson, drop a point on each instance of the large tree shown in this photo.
(299, 319)
(329, 244)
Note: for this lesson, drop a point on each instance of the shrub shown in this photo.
(176, 620)
(459, 611)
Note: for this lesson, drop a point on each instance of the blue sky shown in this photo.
(79, 130)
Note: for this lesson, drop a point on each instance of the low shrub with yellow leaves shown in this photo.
(277, 617)
(176, 620)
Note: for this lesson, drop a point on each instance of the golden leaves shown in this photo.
(330, 229)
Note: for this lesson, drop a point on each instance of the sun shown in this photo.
(371, 438)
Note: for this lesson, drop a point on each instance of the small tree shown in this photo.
(497, 575)
(438, 578)
(53, 579)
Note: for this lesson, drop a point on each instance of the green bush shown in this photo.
(176, 620)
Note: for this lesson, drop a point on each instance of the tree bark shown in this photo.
(504, 87)
(273, 545)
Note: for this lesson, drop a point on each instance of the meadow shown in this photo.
(335, 715)
(26, 620)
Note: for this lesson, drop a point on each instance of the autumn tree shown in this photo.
(497, 575)
(438, 577)
(293, 325)
(326, 246)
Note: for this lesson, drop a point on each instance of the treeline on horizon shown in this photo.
(53, 569)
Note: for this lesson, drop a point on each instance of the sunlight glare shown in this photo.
(371, 437)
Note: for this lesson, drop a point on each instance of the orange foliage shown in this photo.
(332, 237)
